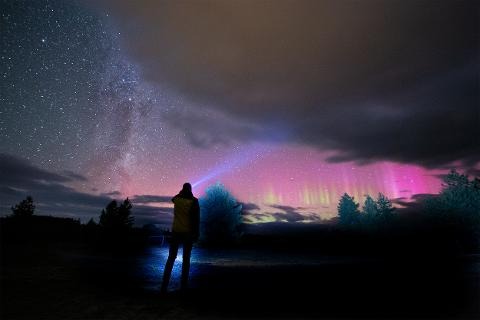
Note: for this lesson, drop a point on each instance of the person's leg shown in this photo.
(187, 251)
(167, 272)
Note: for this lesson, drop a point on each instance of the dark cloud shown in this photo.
(53, 197)
(471, 172)
(162, 216)
(249, 206)
(288, 216)
(291, 214)
(8, 190)
(371, 80)
(112, 194)
(74, 176)
(414, 205)
(207, 128)
(422, 196)
(18, 172)
(284, 208)
(145, 198)
(400, 201)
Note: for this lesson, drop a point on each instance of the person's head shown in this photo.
(187, 187)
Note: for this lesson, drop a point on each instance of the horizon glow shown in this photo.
(294, 176)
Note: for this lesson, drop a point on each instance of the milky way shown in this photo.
(74, 102)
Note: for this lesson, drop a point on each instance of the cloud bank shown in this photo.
(53, 196)
(372, 80)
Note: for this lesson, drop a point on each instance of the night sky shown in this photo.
(288, 103)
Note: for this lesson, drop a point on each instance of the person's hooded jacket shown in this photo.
(186, 214)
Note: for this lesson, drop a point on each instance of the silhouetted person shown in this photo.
(185, 231)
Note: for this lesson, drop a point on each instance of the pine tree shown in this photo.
(117, 217)
(107, 217)
(124, 213)
(91, 223)
(24, 208)
(461, 195)
(459, 198)
(385, 207)
(370, 208)
(348, 210)
(458, 207)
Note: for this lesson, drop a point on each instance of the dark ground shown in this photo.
(70, 282)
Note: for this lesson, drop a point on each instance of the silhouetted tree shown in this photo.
(460, 198)
(125, 213)
(108, 215)
(348, 212)
(91, 223)
(91, 231)
(385, 207)
(456, 210)
(220, 216)
(370, 209)
(24, 208)
(116, 217)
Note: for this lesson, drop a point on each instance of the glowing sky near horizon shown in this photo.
(294, 176)
(74, 100)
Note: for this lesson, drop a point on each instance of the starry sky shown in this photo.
(288, 103)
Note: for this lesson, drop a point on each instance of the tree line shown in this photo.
(374, 211)
(113, 216)
(458, 200)
(456, 207)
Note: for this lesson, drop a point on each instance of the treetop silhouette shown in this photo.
(24, 208)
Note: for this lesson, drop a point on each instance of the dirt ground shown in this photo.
(70, 282)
